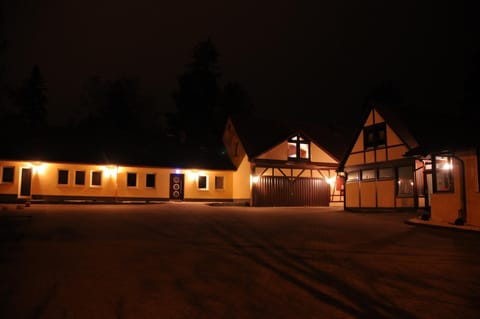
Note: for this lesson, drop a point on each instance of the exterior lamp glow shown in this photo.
(331, 180)
(39, 168)
(255, 179)
(447, 166)
(109, 171)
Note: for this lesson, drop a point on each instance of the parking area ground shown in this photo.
(181, 260)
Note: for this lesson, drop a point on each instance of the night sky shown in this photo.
(293, 57)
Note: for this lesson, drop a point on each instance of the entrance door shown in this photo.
(176, 186)
(26, 183)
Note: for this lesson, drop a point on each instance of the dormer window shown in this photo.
(374, 136)
(298, 148)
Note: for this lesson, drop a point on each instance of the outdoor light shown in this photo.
(39, 167)
(330, 180)
(447, 166)
(193, 175)
(177, 171)
(255, 179)
(109, 171)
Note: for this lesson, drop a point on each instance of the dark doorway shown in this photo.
(176, 186)
(26, 182)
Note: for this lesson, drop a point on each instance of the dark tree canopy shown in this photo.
(201, 103)
(31, 99)
(119, 104)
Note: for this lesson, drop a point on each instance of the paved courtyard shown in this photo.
(180, 260)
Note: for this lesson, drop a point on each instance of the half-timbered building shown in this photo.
(286, 166)
(414, 160)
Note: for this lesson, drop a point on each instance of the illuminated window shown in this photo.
(443, 176)
(202, 182)
(131, 179)
(369, 174)
(79, 177)
(7, 174)
(62, 177)
(96, 178)
(219, 182)
(298, 148)
(374, 136)
(150, 181)
(353, 176)
(405, 181)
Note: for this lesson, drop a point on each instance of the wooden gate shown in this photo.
(290, 191)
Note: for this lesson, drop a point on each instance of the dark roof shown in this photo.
(63, 145)
(259, 135)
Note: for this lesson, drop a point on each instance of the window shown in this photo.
(374, 136)
(96, 178)
(369, 174)
(7, 174)
(353, 176)
(405, 181)
(388, 172)
(62, 177)
(202, 182)
(298, 148)
(443, 177)
(219, 182)
(150, 182)
(79, 177)
(131, 179)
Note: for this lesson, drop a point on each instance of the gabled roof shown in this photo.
(423, 130)
(260, 135)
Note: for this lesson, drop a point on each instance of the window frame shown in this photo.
(147, 180)
(92, 178)
(129, 174)
(298, 140)
(12, 176)
(206, 183)
(377, 142)
(356, 177)
(449, 174)
(222, 178)
(363, 171)
(62, 170)
(77, 178)
(412, 180)
(384, 176)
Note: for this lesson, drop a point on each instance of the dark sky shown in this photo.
(294, 57)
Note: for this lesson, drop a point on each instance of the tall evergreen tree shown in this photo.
(196, 99)
(31, 99)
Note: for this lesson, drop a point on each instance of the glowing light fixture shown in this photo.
(177, 171)
(109, 171)
(331, 180)
(193, 176)
(447, 166)
(39, 167)
(255, 178)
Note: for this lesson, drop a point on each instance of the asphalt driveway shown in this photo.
(197, 261)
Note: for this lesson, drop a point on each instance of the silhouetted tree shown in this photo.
(118, 104)
(31, 99)
(235, 99)
(196, 99)
(201, 103)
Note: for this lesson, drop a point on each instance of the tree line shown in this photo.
(122, 105)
